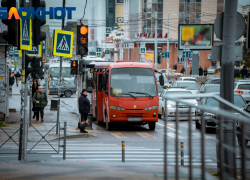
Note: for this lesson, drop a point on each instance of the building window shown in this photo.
(110, 13)
(189, 11)
(149, 8)
(220, 6)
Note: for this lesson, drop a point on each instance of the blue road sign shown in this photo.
(142, 50)
(108, 30)
(106, 51)
(98, 50)
(63, 43)
(165, 55)
(92, 53)
(25, 34)
(186, 54)
(36, 51)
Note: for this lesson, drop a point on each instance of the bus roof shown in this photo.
(121, 65)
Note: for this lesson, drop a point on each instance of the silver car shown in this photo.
(243, 88)
(67, 88)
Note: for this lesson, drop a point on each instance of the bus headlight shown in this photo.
(116, 108)
(151, 108)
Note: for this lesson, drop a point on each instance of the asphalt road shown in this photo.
(142, 146)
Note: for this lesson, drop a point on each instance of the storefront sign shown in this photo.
(150, 35)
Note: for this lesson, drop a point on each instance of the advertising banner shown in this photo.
(149, 57)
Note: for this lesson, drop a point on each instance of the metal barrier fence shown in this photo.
(233, 120)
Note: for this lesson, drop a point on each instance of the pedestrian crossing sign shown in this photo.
(36, 51)
(25, 33)
(63, 43)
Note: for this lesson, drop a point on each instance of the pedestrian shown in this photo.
(17, 76)
(34, 89)
(205, 71)
(84, 109)
(11, 81)
(183, 70)
(243, 72)
(40, 100)
(200, 71)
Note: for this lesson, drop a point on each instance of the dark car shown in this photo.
(213, 104)
(68, 88)
(212, 81)
(209, 88)
(247, 128)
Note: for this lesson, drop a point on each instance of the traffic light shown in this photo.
(38, 70)
(37, 34)
(74, 67)
(82, 40)
(28, 70)
(11, 36)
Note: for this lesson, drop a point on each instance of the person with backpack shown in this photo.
(40, 100)
(84, 109)
(17, 76)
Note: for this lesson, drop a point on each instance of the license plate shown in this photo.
(134, 119)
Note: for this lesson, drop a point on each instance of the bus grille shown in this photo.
(134, 115)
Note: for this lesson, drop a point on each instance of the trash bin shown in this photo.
(53, 104)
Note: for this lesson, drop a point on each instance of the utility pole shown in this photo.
(155, 62)
(59, 87)
(227, 73)
(167, 46)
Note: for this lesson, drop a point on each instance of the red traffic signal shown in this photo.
(74, 67)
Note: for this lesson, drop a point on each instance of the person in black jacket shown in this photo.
(205, 72)
(84, 109)
(243, 72)
(200, 71)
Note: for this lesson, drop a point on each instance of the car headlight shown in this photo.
(116, 108)
(209, 114)
(151, 108)
(170, 106)
(196, 104)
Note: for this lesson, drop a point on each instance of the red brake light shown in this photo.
(237, 91)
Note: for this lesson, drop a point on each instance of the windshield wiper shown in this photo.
(142, 93)
(128, 94)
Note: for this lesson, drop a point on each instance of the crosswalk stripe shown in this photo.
(99, 149)
(119, 135)
(146, 135)
(169, 127)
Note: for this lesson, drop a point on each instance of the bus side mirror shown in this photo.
(104, 80)
(161, 79)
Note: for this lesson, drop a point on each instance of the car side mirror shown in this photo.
(161, 79)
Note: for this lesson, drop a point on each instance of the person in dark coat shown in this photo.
(243, 72)
(84, 109)
(11, 81)
(200, 71)
(183, 70)
(205, 72)
(34, 89)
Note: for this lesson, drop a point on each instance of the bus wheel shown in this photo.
(108, 124)
(151, 125)
(99, 122)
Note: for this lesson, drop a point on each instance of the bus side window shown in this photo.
(100, 82)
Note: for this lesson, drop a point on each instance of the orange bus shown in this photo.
(125, 92)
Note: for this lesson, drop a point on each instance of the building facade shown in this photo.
(140, 22)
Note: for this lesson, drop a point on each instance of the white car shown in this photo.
(211, 70)
(187, 79)
(191, 86)
(171, 105)
(243, 88)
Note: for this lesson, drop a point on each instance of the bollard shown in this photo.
(64, 140)
(182, 153)
(123, 151)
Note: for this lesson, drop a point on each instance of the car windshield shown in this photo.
(54, 72)
(190, 80)
(177, 93)
(238, 101)
(212, 89)
(126, 81)
(189, 86)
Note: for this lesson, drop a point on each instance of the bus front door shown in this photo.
(99, 97)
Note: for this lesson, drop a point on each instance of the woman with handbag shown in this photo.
(34, 89)
(40, 100)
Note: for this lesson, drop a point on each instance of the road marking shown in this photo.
(173, 135)
(98, 148)
(146, 135)
(119, 135)
(168, 127)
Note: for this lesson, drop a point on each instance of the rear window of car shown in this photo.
(244, 86)
(238, 101)
(190, 80)
(216, 81)
(189, 86)
(212, 89)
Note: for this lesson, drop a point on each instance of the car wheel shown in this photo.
(67, 93)
(240, 141)
(197, 125)
(151, 125)
(109, 125)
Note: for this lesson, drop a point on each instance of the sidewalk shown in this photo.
(67, 114)
(82, 169)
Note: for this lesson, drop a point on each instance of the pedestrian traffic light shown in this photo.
(74, 67)
(28, 70)
(37, 34)
(11, 36)
(82, 40)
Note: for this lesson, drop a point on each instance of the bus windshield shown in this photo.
(139, 82)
